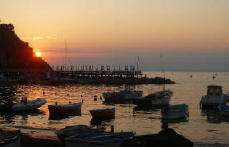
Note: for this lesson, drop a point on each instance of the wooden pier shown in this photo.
(82, 71)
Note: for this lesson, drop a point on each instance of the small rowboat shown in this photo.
(64, 109)
(175, 112)
(103, 113)
(29, 105)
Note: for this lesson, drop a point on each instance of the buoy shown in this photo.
(95, 98)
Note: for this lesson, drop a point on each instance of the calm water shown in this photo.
(203, 128)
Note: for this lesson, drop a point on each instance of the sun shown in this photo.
(38, 54)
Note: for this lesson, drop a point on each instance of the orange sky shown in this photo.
(102, 28)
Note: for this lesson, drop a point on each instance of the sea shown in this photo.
(203, 128)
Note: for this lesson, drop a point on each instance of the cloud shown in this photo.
(40, 38)
(37, 38)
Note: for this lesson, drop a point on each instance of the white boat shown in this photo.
(98, 140)
(175, 112)
(29, 105)
(10, 138)
(214, 97)
(160, 98)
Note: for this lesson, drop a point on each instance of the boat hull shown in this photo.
(213, 101)
(110, 113)
(30, 106)
(175, 112)
(171, 115)
(67, 109)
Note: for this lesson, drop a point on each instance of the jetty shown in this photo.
(80, 71)
(91, 74)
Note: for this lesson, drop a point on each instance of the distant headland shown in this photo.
(19, 64)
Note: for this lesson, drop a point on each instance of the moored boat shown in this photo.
(224, 110)
(98, 140)
(174, 112)
(77, 130)
(159, 98)
(64, 109)
(214, 97)
(29, 105)
(103, 113)
(10, 138)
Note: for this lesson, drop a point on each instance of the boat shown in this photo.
(214, 97)
(159, 98)
(121, 96)
(10, 138)
(98, 140)
(175, 112)
(29, 105)
(77, 130)
(224, 110)
(64, 109)
(103, 113)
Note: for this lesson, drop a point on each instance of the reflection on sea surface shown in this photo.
(127, 116)
(68, 115)
(101, 122)
(175, 120)
(9, 117)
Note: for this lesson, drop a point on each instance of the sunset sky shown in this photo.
(190, 35)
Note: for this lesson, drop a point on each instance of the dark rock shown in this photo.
(17, 55)
(165, 138)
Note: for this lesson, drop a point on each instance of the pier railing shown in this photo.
(101, 71)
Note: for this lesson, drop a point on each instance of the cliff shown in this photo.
(15, 53)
